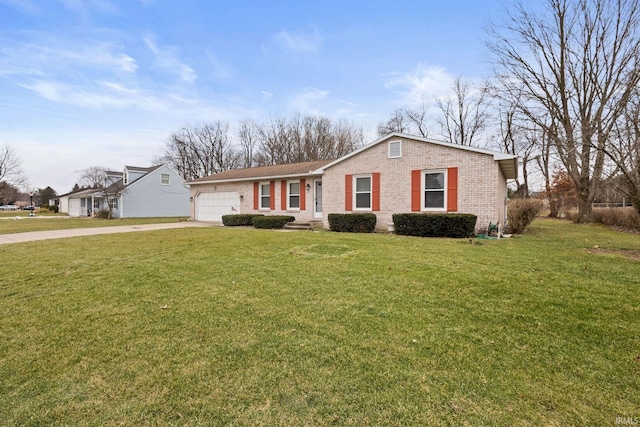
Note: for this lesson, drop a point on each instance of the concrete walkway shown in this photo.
(77, 232)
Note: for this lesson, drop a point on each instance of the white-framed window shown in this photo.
(83, 203)
(362, 192)
(434, 194)
(395, 149)
(96, 203)
(265, 195)
(164, 179)
(293, 196)
(114, 202)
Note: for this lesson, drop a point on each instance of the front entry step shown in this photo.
(303, 225)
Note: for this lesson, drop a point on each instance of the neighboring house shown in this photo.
(395, 174)
(135, 192)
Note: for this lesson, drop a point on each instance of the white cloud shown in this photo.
(44, 55)
(83, 7)
(423, 82)
(219, 68)
(308, 100)
(103, 94)
(166, 57)
(298, 42)
(266, 95)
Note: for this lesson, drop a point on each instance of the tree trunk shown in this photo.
(635, 202)
(585, 202)
(553, 207)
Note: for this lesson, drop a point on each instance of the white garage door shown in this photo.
(211, 206)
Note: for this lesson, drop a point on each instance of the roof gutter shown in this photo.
(255, 178)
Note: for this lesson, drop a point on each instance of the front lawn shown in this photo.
(42, 223)
(219, 326)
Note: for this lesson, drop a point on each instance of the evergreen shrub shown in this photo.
(352, 223)
(435, 225)
(272, 221)
(238, 219)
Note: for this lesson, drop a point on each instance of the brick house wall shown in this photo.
(247, 190)
(481, 186)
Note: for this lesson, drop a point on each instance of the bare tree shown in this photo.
(464, 113)
(412, 121)
(418, 119)
(304, 138)
(624, 151)
(195, 152)
(93, 176)
(10, 167)
(540, 136)
(514, 138)
(248, 134)
(572, 65)
(275, 146)
(397, 122)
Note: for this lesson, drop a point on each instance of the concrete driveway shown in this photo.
(77, 232)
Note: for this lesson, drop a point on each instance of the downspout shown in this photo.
(192, 208)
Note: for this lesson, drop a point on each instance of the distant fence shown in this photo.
(611, 205)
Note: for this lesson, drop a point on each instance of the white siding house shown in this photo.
(136, 192)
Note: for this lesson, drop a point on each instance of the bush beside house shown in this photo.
(435, 225)
(522, 212)
(352, 223)
(238, 220)
(272, 221)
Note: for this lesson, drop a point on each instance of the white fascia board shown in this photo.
(497, 155)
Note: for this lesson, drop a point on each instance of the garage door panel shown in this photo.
(211, 206)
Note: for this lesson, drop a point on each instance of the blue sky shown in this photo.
(105, 82)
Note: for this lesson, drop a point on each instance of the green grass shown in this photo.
(218, 326)
(12, 225)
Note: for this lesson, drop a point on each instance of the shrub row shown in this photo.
(435, 225)
(238, 220)
(352, 223)
(257, 220)
(272, 221)
(627, 218)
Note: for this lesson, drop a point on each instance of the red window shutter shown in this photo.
(256, 196)
(283, 195)
(416, 180)
(272, 198)
(348, 192)
(452, 190)
(375, 194)
(303, 194)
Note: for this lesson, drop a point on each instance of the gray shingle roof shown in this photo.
(276, 171)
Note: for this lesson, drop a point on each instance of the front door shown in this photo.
(317, 197)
